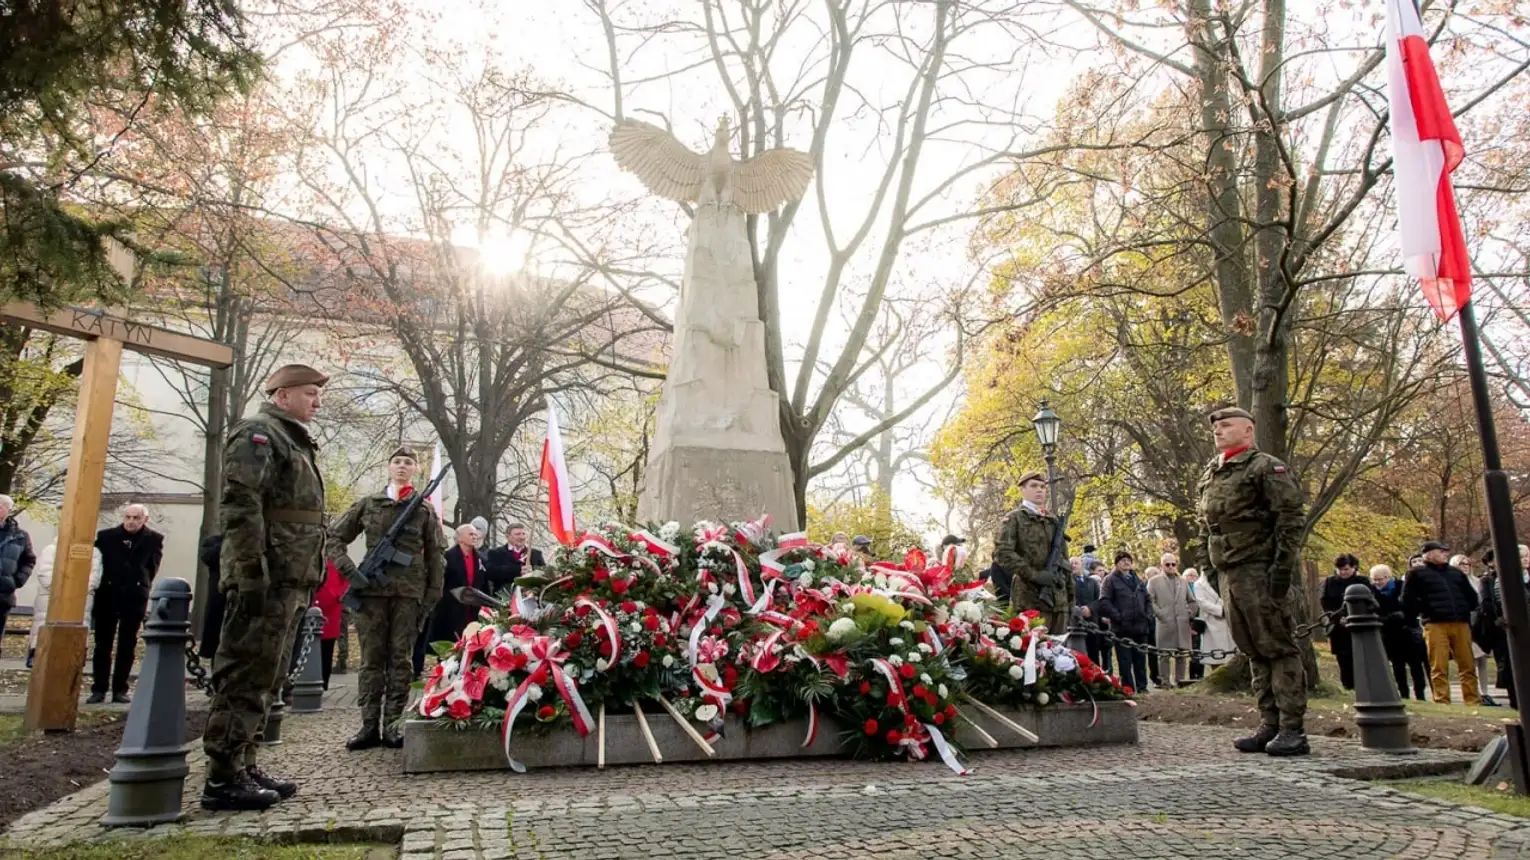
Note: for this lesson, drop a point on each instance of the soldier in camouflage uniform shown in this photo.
(1251, 517)
(272, 519)
(391, 615)
(1024, 542)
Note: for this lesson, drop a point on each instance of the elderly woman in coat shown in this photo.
(44, 575)
(1173, 607)
(1217, 636)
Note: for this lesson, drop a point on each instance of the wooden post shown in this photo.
(53, 692)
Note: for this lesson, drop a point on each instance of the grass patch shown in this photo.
(208, 848)
(1343, 700)
(13, 730)
(1502, 800)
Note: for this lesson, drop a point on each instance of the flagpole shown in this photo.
(1500, 506)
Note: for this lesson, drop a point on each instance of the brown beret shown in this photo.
(289, 375)
(1230, 412)
(1031, 476)
(404, 451)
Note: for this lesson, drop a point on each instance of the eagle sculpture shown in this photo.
(671, 170)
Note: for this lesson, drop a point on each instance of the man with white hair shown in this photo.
(16, 558)
(465, 566)
(130, 557)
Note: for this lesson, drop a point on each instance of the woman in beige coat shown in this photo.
(1173, 607)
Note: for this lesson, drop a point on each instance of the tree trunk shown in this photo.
(1271, 370)
(212, 483)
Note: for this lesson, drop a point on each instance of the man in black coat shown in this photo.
(16, 558)
(1345, 569)
(130, 557)
(1444, 598)
(464, 566)
(1086, 599)
(1124, 601)
(505, 564)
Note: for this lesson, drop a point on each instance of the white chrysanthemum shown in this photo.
(895, 660)
(847, 608)
(728, 589)
(895, 642)
(711, 588)
(841, 629)
(705, 713)
(499, 680)
(669, 531)
(668, 661)
(942, 614)
(915, 657)
(906, 625)
(1016, 643)
(808, 565)
(926, 648)
(1042, 698)
(987, 629)
(943, 691)
(1016, 672)
(967, 610)
(928, 680)
(602, 664)
(1065, 662)
(805, 580)
(636, 627)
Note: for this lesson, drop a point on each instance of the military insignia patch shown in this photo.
(1280, 470)
(259, 438)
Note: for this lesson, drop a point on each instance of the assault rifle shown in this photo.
(1054, 557)
(373, 568)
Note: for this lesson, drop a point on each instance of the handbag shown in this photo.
(1198, 625)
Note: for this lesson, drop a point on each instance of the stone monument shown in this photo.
(717, 452)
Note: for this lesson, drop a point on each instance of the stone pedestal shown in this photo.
(717, 451)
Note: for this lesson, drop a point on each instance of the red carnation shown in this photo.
(892, 699)
(601, 575)
(1017, 624)
(649, 610)
(640, 659)
(582, 610)
(1126, 690)
(629, 607)
(605, 649)
(950, 712)
(619, 586)
(871, 727)
(730, 675)
(459, 710)
(546, 712)
(894, 736)
(940, 719)
(906, 670)
(714, 630)
(660, 640)
(919, 690)
(865, 689)
(573, 639)
(651, 622)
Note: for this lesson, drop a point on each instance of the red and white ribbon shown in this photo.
(613, 633)
(753, 532)
(1029, 664)
(795, 540)
(547, 658)
(812, 732)
(715, 603)
(893, 681)
(767, 659)
(654, 544)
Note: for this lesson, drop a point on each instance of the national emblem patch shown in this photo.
(259, 439)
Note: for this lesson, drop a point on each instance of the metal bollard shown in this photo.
(150, 774)
(1379, 712)
(308, 692)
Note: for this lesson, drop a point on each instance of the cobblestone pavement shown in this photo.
(1182, 792)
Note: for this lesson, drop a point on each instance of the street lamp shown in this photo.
(1048, 426)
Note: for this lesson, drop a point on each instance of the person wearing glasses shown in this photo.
(1173, 607)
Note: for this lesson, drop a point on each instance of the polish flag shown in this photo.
(560, 496)
(1426, 148)
(437, 493)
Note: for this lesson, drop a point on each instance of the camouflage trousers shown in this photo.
(387, 628)
(1263, 629)
(248, 670)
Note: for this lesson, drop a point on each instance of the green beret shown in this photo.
(1230, 412)
(1031, 476)
(404, 451)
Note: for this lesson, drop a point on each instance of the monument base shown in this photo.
(687, 484)
(433, 748)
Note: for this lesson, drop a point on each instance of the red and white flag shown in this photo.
(1426, 148)
(560, 495)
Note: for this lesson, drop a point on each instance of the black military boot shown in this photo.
(365, 739)
(239, 793)
(283, 787)
(1288, 742)
(1258, 741)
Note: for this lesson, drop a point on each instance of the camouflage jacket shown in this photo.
(1024, 541)
(272, 516)
(1250, 511)
(421, 538)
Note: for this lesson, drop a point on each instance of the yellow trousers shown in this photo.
(1449, 640)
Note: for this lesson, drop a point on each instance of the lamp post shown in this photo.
(1048, 425)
